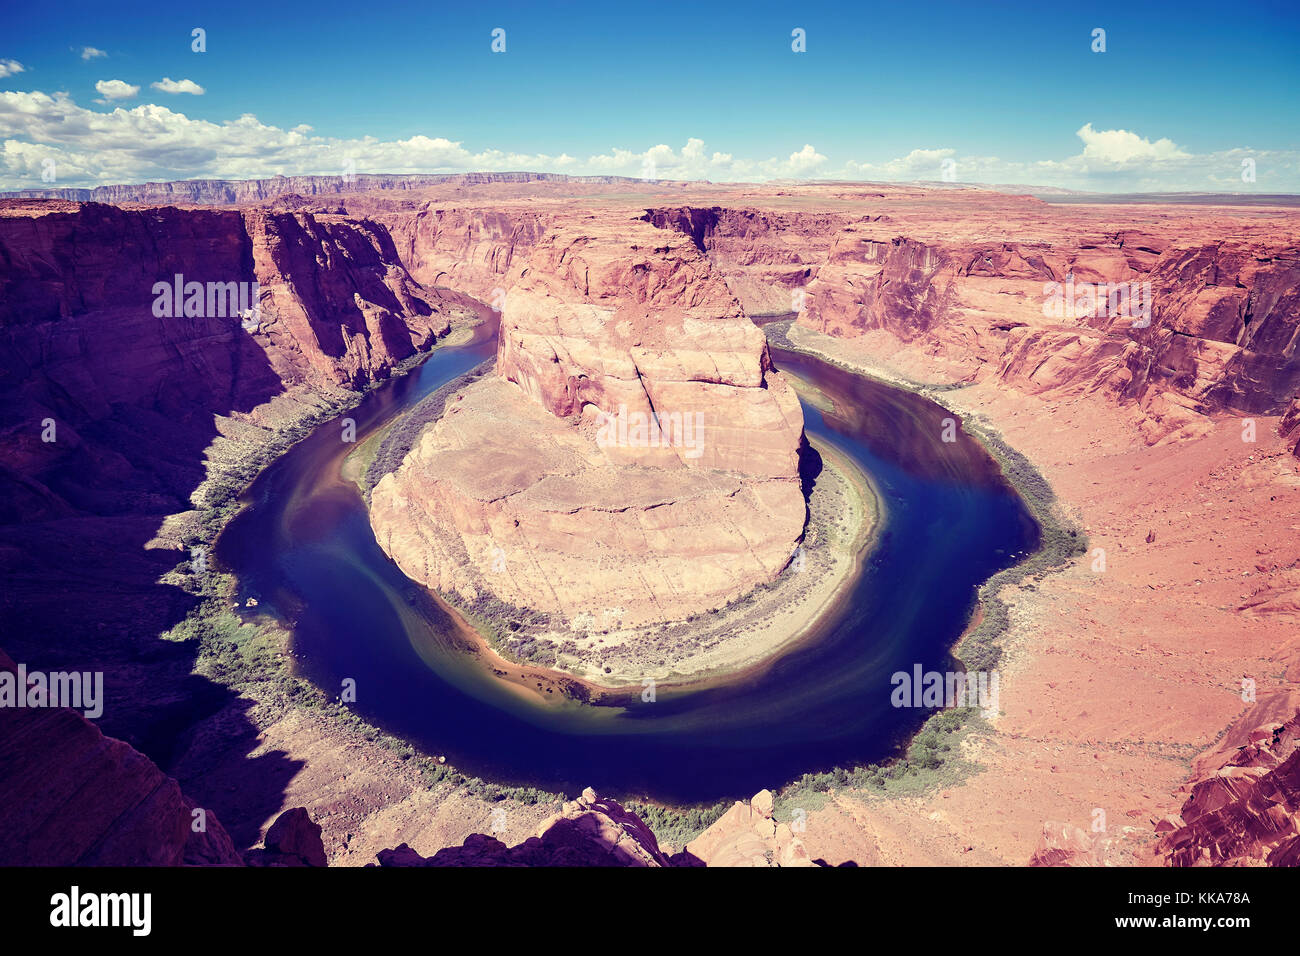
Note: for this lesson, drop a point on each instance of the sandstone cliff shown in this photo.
(766, 256)
(1173, 326)
(117, 411)
(240, 191)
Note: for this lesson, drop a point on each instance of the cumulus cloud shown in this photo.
(1119, 146)
(90, 53)
(918, 164)
(168, 85)
(9, 68)
(152, 142)
(115, 90)
(1111, 160)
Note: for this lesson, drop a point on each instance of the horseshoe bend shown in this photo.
(633, 461)
(516, 485)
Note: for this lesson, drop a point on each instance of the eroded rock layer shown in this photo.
(634, 461)
(1168, 322)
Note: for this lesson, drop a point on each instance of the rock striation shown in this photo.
(240, 191)
(1245, 813)
(1171, 325)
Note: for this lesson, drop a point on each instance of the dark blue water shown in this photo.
(304, 547)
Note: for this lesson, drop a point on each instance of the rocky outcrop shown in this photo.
(1290, 426)
(766, 256)
(589, 831)
(1246, 813)
(598, 831)
(634, 461)
(338, 305)
(749, 835)
(70, 796)
(294, 839)
(1063, 844)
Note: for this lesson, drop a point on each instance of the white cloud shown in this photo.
(805, 161)
(168, 85)
(115, 90)
(9, 68)
(152, 142)
(90, 53)
(918, 164)
(1111, 161)
(1119, 146)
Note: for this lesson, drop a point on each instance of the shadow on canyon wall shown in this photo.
(129, 400)
(110, 405)
(83, 589)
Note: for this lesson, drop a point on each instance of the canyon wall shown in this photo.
(69, 796)
(468, 248)
(1246, 812)
(1178, 330)
(118, 410)
(242, 191)
(767, 256)
(642, 303)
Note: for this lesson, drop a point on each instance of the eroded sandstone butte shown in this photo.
(525, 490)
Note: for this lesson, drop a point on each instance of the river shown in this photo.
(303, 546)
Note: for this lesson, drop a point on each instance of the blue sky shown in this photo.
(994, 92)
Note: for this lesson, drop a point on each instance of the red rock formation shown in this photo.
(1248, 811)
(69, 796)
(589, 831)
(294, 839)
(1210, 326)
(766, 256)
(748, 835)
(1290, 426)
(1063, 844)
(134, 399)
(241, 191)
(522, 491)
(337, 303)
(465, 248)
